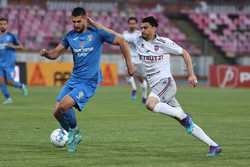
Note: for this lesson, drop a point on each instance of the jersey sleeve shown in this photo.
(65, 42)
(15, 40)
(171, 47)
(106, 36)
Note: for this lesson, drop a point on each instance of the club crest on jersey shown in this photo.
(156, 47)
(90, 38)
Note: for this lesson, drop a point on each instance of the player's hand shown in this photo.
(192, 79)
(44, 53)
(131, 70)
(91, 22)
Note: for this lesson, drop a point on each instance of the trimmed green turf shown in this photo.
(118, 132)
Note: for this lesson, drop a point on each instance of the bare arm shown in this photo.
(124, 47)
(54, 53)
(192, 79)
(100, 26)
(119, 40)
(16, 47)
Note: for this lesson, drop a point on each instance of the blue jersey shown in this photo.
(86, 48)
(7, 55)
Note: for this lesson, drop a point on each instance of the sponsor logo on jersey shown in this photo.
(151, 58)
(82, 52)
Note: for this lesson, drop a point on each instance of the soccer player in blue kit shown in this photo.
(86, 44)
(8, 46)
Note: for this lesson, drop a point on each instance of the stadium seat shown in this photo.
(39, 28)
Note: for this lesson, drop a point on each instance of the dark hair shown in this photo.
(132, 18)
(78, 11)
(3, 19)
(151, 20)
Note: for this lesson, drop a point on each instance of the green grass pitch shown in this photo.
(121, 133)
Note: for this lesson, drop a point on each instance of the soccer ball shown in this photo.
(59, 137)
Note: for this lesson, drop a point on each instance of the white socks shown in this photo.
(144, 87)
(132, 82)
(169, 110)
(202, 136)
(180, 114)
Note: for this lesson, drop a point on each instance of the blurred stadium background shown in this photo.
(120, 132)
(214, 32)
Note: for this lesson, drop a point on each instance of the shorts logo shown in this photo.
(227, 76)
(80, 95)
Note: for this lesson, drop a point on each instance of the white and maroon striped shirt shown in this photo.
(155, 57)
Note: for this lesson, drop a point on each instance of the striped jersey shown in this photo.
(155, 57)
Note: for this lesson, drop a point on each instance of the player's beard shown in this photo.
(79, 29)
(3, 30)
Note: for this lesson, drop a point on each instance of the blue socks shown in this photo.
(4, 90)
(70, 117)
(68, 120)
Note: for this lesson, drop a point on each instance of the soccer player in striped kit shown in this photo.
(154, 52)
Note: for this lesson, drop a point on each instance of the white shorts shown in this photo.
(165, 91)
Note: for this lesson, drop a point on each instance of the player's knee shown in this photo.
(150, 104)
(62, 107)
(65, 104)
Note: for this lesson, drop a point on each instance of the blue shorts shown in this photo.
(7, 73)
(80, 93)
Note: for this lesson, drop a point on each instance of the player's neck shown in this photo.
(150, 37)
(131, 30)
